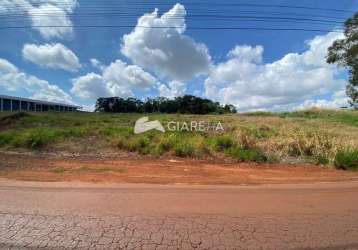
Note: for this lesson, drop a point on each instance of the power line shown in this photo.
(270, 21)
(84, 9)
(214, 17)
(246, 21)
(208, 4)
(217, 15)
(198, 11)
(167, 27)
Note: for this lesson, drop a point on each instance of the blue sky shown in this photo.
(252, 69)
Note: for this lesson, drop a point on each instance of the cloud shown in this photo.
(40, 17)
(54, 56)
(337, 100)
(7, 68)
(165, 49)
(90, 86)
(96, 64)
(12, 79)
(67, 5)
(247, 53)
(44, 13)
(88, 108)
(117, 79)
(246, 82)
(174, 89)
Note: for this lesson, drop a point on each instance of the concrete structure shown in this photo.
(13, 104)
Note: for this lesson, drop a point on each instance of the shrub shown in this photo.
(162, 146)
(347, 159)
(139, 144)
(261, 132)
(6, 120)
(184, 149)
(6, 138)
(33, 138)
(223, 143)
(119, 142)
(321, 159)
(38, 138)
(242, 154)
(165, 144)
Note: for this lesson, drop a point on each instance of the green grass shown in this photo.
(348, 117)
(58, 170)
(242, 154)
(344, 117)
(315, 135)
(222, 143)
(347, 160)
(35, 138)
(86, 169)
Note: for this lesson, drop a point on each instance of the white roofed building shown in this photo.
(17, 104)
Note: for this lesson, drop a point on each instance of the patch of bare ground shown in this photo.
(124, 169)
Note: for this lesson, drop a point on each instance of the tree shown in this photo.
(344, 52)
(187, 104)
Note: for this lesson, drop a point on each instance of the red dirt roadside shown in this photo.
(162, 171)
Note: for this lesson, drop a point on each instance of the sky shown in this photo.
(272, 57)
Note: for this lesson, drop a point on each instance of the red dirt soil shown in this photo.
(162, 171)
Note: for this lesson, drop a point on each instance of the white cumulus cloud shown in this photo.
(12, 79)
(54, 56)
(174, 89)
(44, 13)
(165, 49)
(96, 64)
(90, 86)
(117, 79)
(246, 82)
(337, 100)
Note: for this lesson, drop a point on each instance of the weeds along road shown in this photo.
(127, 216)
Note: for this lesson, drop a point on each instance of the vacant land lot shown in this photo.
(322, 137)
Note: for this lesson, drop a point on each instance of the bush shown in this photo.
(111, 131)
(37, 138)
(242, 154)
(6, 138)
(347, 159)
(184, 149)
(321, 160)
(139, 144)
(223, 143)
(6, 120)
(262, 132)
(165, 144)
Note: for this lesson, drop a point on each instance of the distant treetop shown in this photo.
(187, 104)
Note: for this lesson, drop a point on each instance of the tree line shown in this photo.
(187, 104)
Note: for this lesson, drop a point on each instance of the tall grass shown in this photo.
(317, 136)
(38, 137)
(347, 159)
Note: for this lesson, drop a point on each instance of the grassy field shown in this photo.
(325, 137)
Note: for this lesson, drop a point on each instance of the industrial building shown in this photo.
(12, 104)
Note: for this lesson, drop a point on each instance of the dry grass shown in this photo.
(309, 136)
(315, 139)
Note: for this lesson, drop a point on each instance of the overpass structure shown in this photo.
(13, 104)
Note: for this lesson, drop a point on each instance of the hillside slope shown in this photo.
(324, 137)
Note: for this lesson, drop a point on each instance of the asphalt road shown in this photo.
(89, 216)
